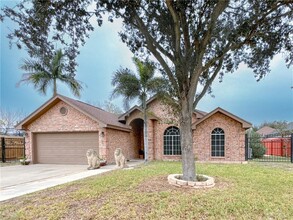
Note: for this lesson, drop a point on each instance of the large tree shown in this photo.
(193, 42)
(141, 85)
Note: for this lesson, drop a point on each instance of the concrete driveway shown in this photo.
(20, 180)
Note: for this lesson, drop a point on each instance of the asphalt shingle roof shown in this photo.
(104, 118)
(99, 114)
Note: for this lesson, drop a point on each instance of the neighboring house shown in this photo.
(62, 129)
(266, 130)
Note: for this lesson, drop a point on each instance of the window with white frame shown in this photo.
(172, 143)
(218, 143)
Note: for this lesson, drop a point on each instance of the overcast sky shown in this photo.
(267, 100)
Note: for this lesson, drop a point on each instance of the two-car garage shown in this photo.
(64, 147)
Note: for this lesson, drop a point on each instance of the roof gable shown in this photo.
(105, 119)
(126, 114)
(198, 114)
(244, 123)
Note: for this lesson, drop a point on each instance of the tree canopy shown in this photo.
(43, 24)
(141, 84)
(210, 37)
(45, 74)
(196, 41)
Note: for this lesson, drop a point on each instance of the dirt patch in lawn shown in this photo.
(45, 197)
(66, 196)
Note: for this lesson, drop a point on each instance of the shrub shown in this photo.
(258, 150)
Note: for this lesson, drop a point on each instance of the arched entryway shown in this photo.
(137, 136)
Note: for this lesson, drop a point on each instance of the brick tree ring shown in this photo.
(202, 182)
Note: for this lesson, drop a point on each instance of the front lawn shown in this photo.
(251, 191)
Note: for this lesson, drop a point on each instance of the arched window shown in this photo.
(218, 142)
(172, 144)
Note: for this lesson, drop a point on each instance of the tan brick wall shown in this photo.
(234, 139)
(160, 119)
(234, 135)
(74, 120)
(157, 129)
(119, 139)
(53, 121)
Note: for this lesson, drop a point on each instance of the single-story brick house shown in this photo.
(62, 130)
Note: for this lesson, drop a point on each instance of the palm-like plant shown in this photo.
(131, 86)
(43, 75)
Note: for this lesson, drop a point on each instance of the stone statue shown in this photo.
(120, 158)
(92, 159)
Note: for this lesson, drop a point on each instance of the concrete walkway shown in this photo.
(20, 180)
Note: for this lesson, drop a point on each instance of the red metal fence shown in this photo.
(277, 146)
(269, 149)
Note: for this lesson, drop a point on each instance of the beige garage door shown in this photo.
(64, 148)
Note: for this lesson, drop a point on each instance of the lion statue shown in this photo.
(120, 158)
(92, 159)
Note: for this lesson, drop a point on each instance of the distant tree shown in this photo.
(45, 74)
(141, 85)
(110, 107)
(280, 126)
(193, 42)
(8, 119)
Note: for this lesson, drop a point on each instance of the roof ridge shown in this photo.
(93, 106)
(85, 103)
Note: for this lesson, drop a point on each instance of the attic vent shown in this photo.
(63, 111)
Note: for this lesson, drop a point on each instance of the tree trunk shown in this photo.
(145, 130)
(145, 137)
(188, 162)
(55, 87)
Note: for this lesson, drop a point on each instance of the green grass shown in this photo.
(251, 191)
(273, 158)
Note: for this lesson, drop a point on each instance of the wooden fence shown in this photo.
(12, 148)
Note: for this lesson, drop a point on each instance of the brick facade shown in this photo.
(162, 118)
(131, 141)
(119, 139)
(234, 139)
(53, 121)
